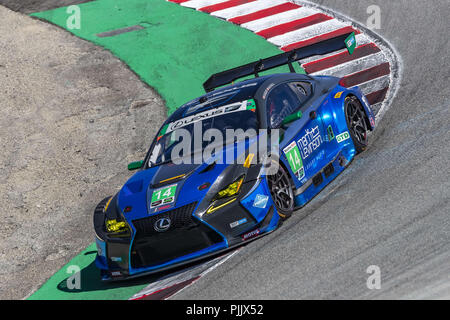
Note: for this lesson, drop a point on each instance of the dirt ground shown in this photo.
(31, 6)
(72, 117)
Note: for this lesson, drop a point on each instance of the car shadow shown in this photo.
(90, 279)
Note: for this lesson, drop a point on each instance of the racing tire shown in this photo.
(356, 123)
(281, 191)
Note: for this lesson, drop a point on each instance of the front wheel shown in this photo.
(356, 123)
(281, 191)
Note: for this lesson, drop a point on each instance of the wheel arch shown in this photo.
(281, 162)
(366, 116)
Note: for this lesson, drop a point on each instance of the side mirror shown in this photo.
(135, 165)
(293, 117)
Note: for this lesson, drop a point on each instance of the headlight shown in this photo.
(117, 228)
(231, 190)
(221, 200)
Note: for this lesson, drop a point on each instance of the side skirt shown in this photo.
(316, 184)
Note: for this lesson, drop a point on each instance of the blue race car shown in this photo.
(176, 210)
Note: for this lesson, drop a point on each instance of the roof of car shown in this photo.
(236, 92)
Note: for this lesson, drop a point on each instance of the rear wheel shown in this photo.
(281, 191)
(356, 123)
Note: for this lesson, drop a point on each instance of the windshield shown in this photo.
(190, 135)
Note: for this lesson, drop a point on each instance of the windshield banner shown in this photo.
(234, 107)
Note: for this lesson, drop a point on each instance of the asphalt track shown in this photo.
(389, 208)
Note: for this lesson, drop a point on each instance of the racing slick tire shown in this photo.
(356, 123)
(281, 191)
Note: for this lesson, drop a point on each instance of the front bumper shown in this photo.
(187, 235)
(151, 251)
(189, 238)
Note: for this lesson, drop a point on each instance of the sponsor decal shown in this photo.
(342, 137)
(315, 162)
(162, 196)
(330, 133)
(163, 207)
(310, 141)
(238, 223)
(372, 122)
(116, 273)
(338, 95)
(250, 234)
(260, 201)
(156, 203)
(251, 105)
(210, 101)
(162, 224)
(116, 259)
(295, 160)
(234, 107)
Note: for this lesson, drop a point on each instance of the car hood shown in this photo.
(184, 181)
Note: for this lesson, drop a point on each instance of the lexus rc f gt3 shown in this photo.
(171, 213)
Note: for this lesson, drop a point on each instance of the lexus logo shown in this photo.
(162, 224)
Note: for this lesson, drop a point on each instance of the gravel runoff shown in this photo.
(31, 6)
(72, 117)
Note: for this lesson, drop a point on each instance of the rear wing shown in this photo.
(286, 58)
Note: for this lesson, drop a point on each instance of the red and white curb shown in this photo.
(291, 24)
(174, 283)
(373, 66)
